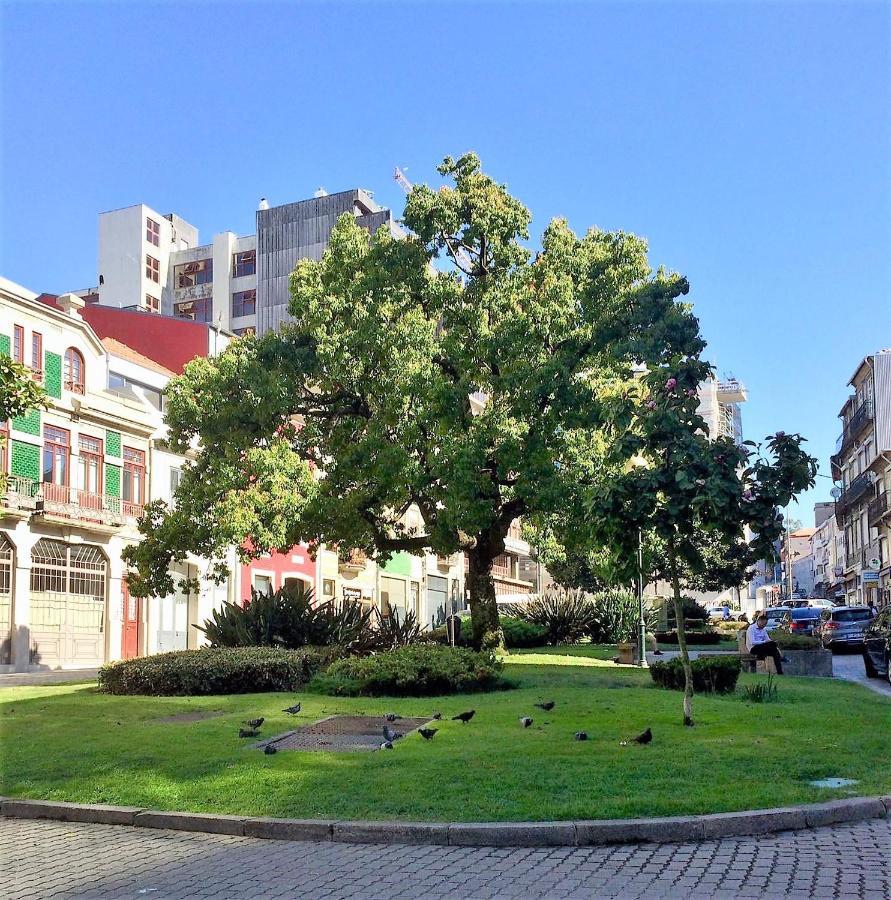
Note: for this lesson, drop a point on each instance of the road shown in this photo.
(56, 859)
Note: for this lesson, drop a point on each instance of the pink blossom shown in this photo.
(651, 404)
(671, 384)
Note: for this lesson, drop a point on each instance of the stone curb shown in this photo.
(671, 829)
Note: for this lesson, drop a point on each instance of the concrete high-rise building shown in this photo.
(719, 405)
(155, 262)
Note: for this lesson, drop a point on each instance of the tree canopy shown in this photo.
(450, 369)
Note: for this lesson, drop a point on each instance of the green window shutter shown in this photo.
(26, 460)
(399, 563)
(52, 374)
(28, 423)
(113, 443)
(4, 344)
(112, 480)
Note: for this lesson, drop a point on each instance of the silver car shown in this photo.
(842, 626)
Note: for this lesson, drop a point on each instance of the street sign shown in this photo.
(875, 563)
(869, 577)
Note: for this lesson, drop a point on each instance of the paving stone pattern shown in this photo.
(57, 859)
(343, 733)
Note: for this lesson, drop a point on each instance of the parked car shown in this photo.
(821, 604)
(716, 614)
(842, 626)
(775, 615)
(799, 621)
(795, 603)
(877, 646)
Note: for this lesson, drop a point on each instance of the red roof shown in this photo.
(125, 352)
(166, 340)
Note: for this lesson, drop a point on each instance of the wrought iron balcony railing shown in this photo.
(860, 418)
(63, 501)
(855, 491)
(878, 508)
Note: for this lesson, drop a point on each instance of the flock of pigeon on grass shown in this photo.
(390, 734)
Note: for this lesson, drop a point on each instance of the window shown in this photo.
(18, 344)
(56, 453)
(90, 464)
(327, 587)
(152, 304)
(4, 447)
(152, 269)
(73, 371)
(133, 486)
(244, 303)
(153, 231)
(241, 332)
(244, 263)
(176, 476)
(262, 583)
(198, 310)
(190, 274)
(37, 354)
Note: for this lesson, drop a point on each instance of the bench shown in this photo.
(750, 662)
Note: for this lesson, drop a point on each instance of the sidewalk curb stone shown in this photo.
(672, 829)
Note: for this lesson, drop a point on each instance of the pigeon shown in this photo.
(269, 749)
(581, 735)
(427, 733)
(387, 745)
(247, 732)
(525, 721)
(547, 706)
(389, 734)
(643, 738)
(437, 716)
(292, 710)
(255, 723)
(392, 717)
(464, 717)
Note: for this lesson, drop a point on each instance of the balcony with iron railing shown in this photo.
(854, 492)
(878, 508)
(64, 502)
(859, 419)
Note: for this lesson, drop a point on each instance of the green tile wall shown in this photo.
(4, 344)
(52, 374)
(112, 480)
(113, 443)
(26, 460)
(28, 423)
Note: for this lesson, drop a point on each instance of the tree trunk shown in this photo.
(682, 637)
(487, 632)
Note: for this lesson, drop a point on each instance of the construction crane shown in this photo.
(462, 258)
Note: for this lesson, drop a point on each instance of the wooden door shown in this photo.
(130, 636)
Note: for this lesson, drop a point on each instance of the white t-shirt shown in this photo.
(756, 635)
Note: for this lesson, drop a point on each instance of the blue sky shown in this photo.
(748, 142)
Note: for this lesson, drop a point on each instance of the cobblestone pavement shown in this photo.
(56, 859)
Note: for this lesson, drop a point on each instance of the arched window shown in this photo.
(74, 371)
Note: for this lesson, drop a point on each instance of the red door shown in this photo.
(130, 636)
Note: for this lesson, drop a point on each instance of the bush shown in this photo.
(519, 633)
(711, 674)
(411, 671)
(615, 617)
(701, 638)
(786, 641)
(241, 670)
(694, 613)
(566, 616)
(287, 618)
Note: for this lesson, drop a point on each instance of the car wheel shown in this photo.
(869, 665)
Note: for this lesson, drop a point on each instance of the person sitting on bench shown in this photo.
(760, 645)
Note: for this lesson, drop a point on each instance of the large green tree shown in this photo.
(19, 392)
(452, 369)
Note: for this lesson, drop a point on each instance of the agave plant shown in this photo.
(567, 615)
(616, 613)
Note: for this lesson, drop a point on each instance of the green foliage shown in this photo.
(694, 612)
(616, 615)
(388, 342)
(420, 671)
(763, 692)
(705, 638)
(711, 674)
(19, 392)
(787, 641)
(288, 618)
(243, 670)
(518, 634)
(567, 616)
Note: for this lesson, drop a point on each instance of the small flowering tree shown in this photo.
(693, 491)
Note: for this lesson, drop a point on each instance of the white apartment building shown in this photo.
(155, 262)
(719, 405)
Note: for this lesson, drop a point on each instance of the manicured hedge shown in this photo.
(711, 674)
(517, 633)
(703, 638)
(411, 671)
(228, 670)
(788, 641)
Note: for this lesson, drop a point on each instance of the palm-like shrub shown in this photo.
(616, 613)
(566, 615)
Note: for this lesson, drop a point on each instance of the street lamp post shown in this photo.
(641, 623)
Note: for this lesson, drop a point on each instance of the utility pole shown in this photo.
(789, 557)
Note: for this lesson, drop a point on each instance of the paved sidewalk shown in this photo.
(52, 676)
(850, 667)
(57, 859)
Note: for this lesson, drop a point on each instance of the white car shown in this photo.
(821, 604)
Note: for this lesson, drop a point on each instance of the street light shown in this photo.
(638, 462)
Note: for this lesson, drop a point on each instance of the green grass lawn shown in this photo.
(71, 743)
